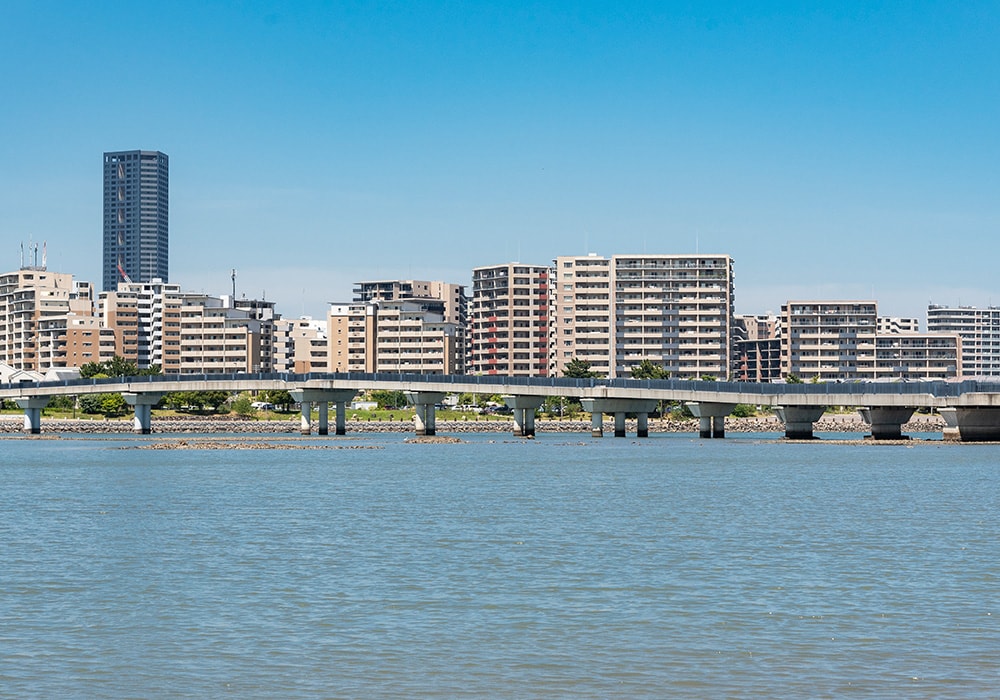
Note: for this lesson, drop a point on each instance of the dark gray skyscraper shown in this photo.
(135, 217)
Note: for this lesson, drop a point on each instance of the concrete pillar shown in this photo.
(886, 422)
(978, 424)
(322, 397)
(597, 424)
(950, 432)
(142, 421)
(713, 417)
(620, 424)
(524, 409)
(340, 408)
(423, 402)
(705, 427)
(799, 420)
(642, 425)
(324, 414)
(619, 407)
(32, 408)
(305, 424)
(718, 426)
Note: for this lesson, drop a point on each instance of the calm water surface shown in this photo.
(560, 567)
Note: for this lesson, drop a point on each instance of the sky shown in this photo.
(845, 150)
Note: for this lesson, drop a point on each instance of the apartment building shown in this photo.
(581, 315)
(757, 347)
(839, 341)
(886, 325)
(510, 320)
(146, 319)
(262, 311)
(216, 338)
(28, 297)
(674, 310)
(300, 345)
(979, 329)
(455, 305)
(73, 341)
(352, 335)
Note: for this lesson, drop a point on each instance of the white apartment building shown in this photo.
(894, 324)
(839, 341)
(300, 345)
(146, 319)
(412, 337)
(510, 320)
(581, 313)
(980, 332)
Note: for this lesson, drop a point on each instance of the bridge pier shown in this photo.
(886, 422)
(323, 397)
(799, 420)
(424, 402)
(712, 417)
(950, 432)
(978, 424)
(32, 408)
(524, 408)
(142, 421)
(619, 407)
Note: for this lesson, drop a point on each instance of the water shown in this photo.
(560, 567)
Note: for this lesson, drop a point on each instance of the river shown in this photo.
(563, 566)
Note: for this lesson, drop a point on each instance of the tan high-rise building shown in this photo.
(510, 320)
(27, 298)
(73, 341)
(301, 345)
(216, 338)
(582, 327)
(352, 334)
(455, 309)
(146, 318)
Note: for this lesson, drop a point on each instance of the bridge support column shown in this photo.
(950, 432)
(324, 415)
(886, 422)
(340, 412)
(142, 421)
(305, 423)
(524, 408)
(619, 407)
(978, 424)
(799, 420)
(423, 402)
(642, 425)
(32, 408)
(322, 397)
(713, 417)
(620, 424)
(596, 424)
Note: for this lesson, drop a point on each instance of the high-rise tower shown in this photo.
(135, 217)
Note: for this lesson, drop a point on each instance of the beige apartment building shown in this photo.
(406, 335)
(582, 314)
(455, 308)
(510, 320)
(73, 341)
(217, 338)
(839, 341)
(28, 297)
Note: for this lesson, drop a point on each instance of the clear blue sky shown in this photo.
(835, 152)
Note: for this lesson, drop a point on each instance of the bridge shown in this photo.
(971, 409)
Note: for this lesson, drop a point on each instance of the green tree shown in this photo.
(388, 399)
(647, 369)
(579, 369)
(64, 402)
(279, 397)
(743, 410)
(793, 378)
(243, 406)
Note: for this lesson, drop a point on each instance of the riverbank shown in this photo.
(846, 423)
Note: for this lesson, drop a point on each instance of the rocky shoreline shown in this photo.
(848, 423)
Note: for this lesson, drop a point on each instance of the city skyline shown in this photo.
(841, 153)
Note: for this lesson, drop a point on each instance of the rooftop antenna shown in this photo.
(45, 253)
(234, 285)
(22, 255)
